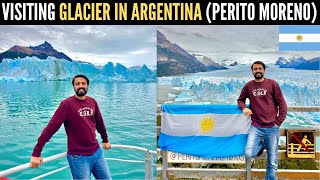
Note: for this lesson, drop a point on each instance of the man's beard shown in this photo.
(258, 77)
(81, 93)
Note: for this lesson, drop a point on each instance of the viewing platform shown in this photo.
(166, 170)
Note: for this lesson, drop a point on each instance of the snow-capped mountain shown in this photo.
(281, 61)
(211, 65)
(229, 62)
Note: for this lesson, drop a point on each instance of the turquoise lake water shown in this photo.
(128, 109)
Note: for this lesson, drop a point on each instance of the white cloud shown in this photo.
(138, 52)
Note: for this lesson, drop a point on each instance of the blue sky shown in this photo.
(237, 42)
(128, 45)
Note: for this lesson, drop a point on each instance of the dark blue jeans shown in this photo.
(269, 137)
(82, 166)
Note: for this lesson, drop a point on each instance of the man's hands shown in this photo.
(106, 146)
(35, 162)
(247, 111)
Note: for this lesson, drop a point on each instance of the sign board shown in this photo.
(173, 157)
(301, 144)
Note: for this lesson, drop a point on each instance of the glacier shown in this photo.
(53, 69)
(300, 87)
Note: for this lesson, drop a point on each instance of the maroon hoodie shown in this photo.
(81, 118)
(266, 103)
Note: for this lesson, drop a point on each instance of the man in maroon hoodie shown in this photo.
(268, 109)
(81, 117)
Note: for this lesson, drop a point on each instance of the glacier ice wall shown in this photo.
(300, 87)
(34, 69)
(52, 69)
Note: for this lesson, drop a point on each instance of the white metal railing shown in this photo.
(148, 162)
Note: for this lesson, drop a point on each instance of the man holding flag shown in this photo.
(268, 109)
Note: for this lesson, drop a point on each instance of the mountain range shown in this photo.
(298, 62)
(174, 60)
(41, 51)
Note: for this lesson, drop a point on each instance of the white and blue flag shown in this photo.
(299, 38)
(209, 131)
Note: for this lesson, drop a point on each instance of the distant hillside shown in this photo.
(41, 51)
(173, 60)
(312, 64)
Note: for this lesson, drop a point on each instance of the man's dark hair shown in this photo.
(259, 62)
(80, 75)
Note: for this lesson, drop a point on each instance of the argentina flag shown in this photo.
(299, 38)
(209, 131)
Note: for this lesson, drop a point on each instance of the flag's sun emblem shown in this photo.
(299, 37)
(207, 124)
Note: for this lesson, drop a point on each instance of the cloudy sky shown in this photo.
(128, 45)
(241, 43)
